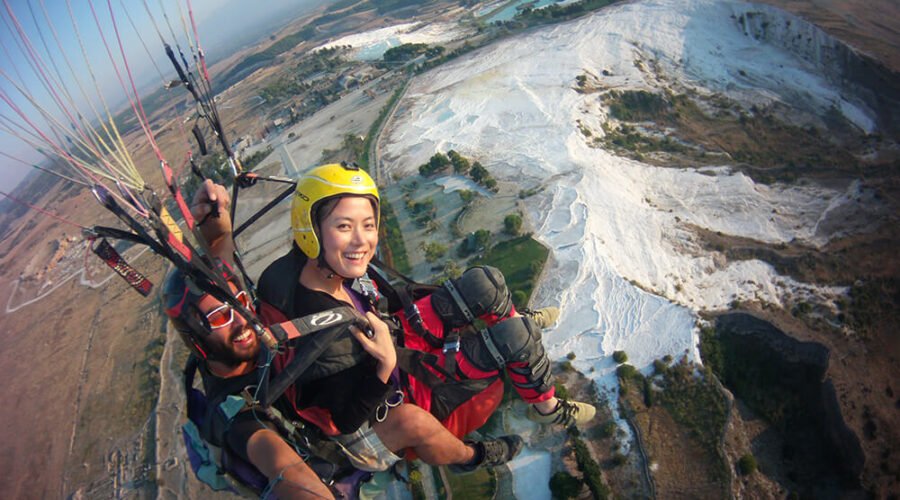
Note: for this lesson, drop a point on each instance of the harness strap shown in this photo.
(287, 428)
(383, 268)
(492, 348)
(331, 323)
(190, 369)
(412, 361)
(406, 295)
(285, 331)
(450, 349)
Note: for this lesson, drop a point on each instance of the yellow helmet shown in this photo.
(318, 185)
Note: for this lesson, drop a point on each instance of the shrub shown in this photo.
(626, 371)
(608, 429)
(466, 195)
(711, 350)
(571, 355)
(747, 464)
(659, 367)
(637, 105)
(802, 309)
(620, 357)
(590, 469)
(648, 393)
(563, 486)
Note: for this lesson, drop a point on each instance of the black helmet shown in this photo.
(181, 297)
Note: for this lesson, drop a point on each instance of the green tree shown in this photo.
(466, 195)
(512, 224)
(434, 251)
(460, 164)
(438, 161)
(563, 486)
(404, 52)
(620, 357)
(626, 372)
(482, 239)
(464, 249)
(478, 172)
(452, 270)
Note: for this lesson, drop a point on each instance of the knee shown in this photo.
(514, 340)
(411, 421)
(482, 291)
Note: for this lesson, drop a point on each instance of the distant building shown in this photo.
(347, 82)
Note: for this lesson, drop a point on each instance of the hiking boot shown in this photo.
(491, 453)
(566, 413)
(545, 317)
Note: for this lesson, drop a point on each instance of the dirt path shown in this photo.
(76, 406)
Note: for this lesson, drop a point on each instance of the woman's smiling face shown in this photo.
(349, 236)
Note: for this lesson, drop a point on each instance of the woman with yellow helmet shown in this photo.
(335, 220)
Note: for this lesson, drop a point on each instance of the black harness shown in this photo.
(388, 292)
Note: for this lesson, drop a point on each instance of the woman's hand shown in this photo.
(380, 345)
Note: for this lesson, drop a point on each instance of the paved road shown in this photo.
(290, 168)
(375, 144)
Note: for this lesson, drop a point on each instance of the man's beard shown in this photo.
(224, 354)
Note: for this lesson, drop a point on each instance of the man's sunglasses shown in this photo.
(223, 315)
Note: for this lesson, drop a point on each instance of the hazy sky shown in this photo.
(221, 25)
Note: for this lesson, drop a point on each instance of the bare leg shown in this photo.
(277, 459)
(547, 405)
(408, 426)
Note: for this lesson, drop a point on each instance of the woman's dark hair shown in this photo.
(324, 208)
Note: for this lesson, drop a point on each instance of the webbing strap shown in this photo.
(285, 331)
(492, 348)
(190, 369)
(451, 347)
(411, 361)
(330, 323)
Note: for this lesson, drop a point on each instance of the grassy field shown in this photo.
(479, 484)
(521, 261)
